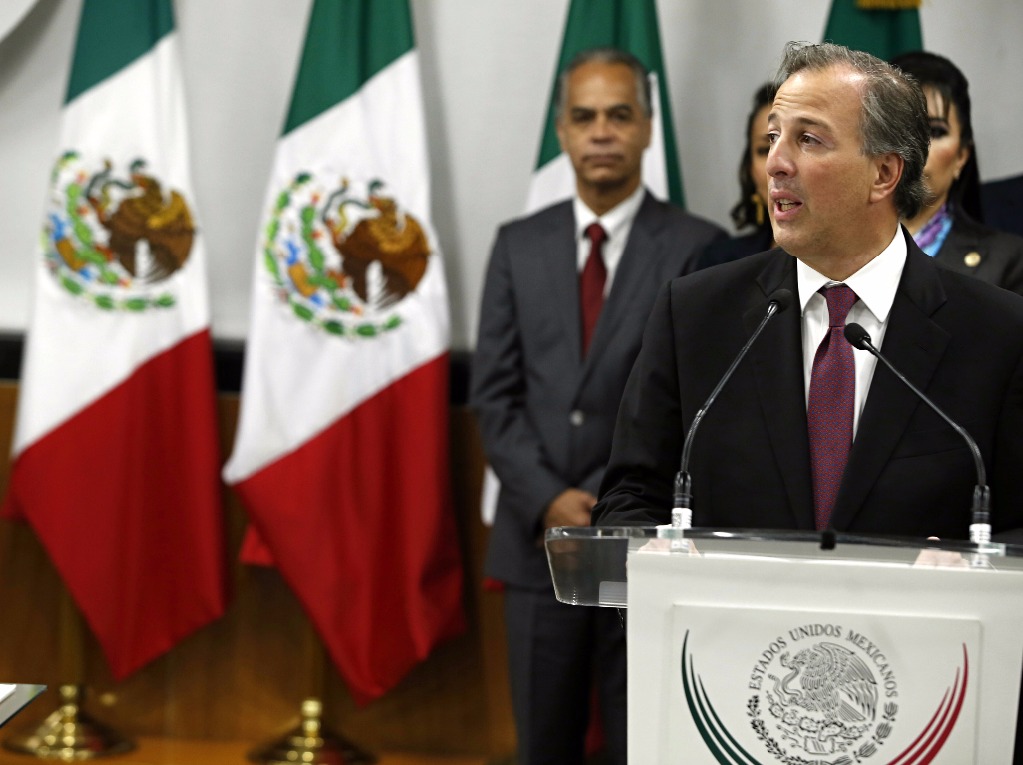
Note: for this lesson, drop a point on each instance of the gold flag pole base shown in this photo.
(311, 743)
(69, 734)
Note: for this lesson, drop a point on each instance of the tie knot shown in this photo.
(596, 234)
(840, 299)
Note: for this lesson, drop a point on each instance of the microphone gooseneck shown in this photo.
(682, 512)
(980, 526)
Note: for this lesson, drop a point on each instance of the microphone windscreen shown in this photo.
(857, 336)
(781, 298)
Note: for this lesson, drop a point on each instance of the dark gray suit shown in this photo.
(547, 417)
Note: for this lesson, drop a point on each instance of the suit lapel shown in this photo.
(914, 344)
(777, 359)
(558, 249)
(955, 248)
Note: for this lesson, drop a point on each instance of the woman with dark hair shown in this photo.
(949, 228)
(752, 207)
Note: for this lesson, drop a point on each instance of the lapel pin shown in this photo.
(972, 259)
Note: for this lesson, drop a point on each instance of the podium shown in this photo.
(756, 647)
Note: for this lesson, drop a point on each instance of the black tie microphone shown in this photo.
(980, 528)
(682, 513)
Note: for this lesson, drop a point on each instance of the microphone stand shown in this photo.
(682, 512)
(980, 526)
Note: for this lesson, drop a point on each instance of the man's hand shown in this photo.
(570, 508)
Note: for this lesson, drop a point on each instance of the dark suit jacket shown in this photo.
(546, 414)
(994, 256)
(957, 338)
(1003, 204)
(727, 250)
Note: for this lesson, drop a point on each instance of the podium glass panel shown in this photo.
(588, 565)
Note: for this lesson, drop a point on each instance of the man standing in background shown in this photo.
(567, 294)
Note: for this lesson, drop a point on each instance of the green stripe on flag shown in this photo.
(885, 33)
(112, 34)
(347, 42)
(630, 25)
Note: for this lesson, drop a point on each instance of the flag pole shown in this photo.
(68, 733)
(310, 741)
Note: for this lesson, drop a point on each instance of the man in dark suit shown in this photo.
(849, 142)
(546, 382)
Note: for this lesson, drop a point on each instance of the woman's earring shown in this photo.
(761, 209)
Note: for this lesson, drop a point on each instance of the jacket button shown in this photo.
(576, 417)
(972, 259)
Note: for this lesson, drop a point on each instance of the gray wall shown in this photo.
(487, 67)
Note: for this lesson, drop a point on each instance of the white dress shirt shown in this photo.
(875, 285)
(616, 222)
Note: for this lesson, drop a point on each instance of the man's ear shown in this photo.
(888, 173)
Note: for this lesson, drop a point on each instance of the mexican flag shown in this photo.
(115, 452)
(884, 28)
(341, 458)
(630, 25)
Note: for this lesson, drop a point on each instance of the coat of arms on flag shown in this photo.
(343, 255)
(112, 237)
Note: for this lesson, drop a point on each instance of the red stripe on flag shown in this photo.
(125, 497)
(359, 522)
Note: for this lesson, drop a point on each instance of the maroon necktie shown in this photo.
(591, 283)
(829, 411)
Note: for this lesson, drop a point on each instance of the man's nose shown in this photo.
(601, 128)
(779, 161)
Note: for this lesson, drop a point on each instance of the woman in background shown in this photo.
(949, 228)
(752, 207)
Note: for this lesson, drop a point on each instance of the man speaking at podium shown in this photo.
(808, 432)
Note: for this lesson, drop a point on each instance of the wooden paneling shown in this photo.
(244, 677)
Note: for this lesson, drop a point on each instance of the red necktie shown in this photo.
(591, 283)
(829, 411)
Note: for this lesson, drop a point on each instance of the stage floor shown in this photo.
(157, 751)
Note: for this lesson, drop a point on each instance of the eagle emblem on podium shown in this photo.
(836, 695)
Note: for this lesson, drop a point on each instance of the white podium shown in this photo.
(750, 648)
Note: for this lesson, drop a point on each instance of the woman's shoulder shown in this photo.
(727, 250)
(968, 229)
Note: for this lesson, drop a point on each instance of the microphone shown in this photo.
(980, 527)
(682, 512)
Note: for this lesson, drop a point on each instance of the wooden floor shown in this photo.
(182, 752)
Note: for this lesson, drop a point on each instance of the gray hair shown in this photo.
(606, 56)
(893, 115)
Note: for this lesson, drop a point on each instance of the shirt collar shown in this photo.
(615, 220)
(875, 284)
